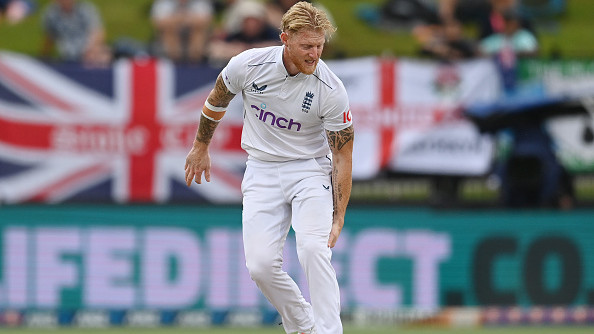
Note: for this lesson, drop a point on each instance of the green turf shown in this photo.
(348, 330)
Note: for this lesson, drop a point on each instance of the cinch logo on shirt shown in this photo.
(280, 122)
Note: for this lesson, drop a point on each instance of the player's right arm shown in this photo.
(198, 160)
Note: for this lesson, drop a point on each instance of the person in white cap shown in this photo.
(252, 31)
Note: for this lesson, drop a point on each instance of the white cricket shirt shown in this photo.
(285, 116)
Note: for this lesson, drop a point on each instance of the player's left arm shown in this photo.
(341, 145)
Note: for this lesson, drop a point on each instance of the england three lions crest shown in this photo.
(307, 100)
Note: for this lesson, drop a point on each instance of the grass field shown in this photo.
(348, 330)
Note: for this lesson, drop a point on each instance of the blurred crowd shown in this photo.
(184, 31)
(503, 31)
(199, 31)
(500, 27)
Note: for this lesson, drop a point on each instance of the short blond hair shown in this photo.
(304, 15)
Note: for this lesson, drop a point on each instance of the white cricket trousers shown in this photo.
(276, 196)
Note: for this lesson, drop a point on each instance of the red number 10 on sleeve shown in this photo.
(346, 116)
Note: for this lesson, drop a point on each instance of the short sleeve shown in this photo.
(92, 16)
(162, 9)
(490, 45)
(234, 74)
(336, 112)
(525, 42)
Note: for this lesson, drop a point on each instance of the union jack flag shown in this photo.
(118, 134)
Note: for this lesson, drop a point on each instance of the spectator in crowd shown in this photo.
(253, 32)
(407, 14)
(492, 21)
(487, 14)
(75, 29)
(231, 18)
(426, 17)
(531, 176)
(464, 11)
(183, 27)
(445, 41)
(507, 46)
(521, 41)
(14, 11)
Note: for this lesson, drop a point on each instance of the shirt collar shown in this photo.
(279, 61)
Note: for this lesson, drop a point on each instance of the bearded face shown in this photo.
(303, 50)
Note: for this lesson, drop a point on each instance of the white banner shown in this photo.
(574, 141)
(454, 148)
(407, 115)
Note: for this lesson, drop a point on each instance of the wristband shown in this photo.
(213, 108)
(210, 118)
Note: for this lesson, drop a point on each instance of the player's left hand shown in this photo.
(335, 231)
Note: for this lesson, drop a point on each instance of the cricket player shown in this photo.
(298, 134)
